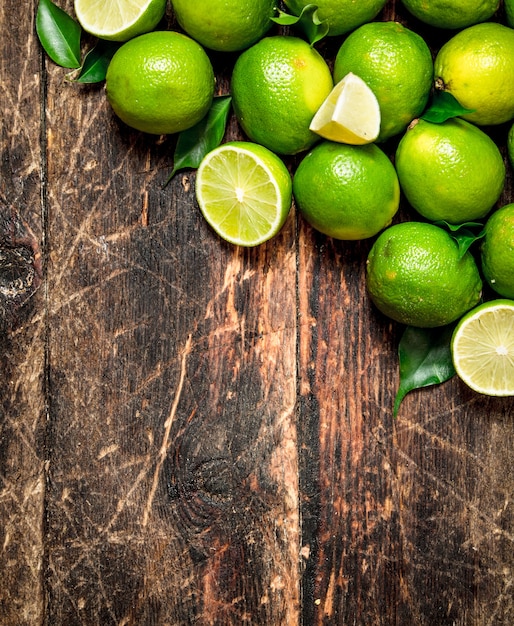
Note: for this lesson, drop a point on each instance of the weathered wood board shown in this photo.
(193, 433)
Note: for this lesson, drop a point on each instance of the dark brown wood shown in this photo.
(22, 324)
(193, 433)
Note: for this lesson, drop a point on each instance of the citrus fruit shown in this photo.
(120, 20)
(277, 86)
(342, 15)
(483, 348)
(497, 251)
(346, 192)
(350, 114)
(225, 25)
(161, 82)
(451, 171)
(452, 13)
(510, 145)
(509, 12)
(416, 276)
(477, 67)
(396, 64)
(244, 192)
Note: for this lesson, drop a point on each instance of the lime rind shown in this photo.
(119, 20)
(244, 192)
(483, 348)
(350, 113)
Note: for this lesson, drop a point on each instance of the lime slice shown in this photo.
(350, 113)
(119, 20)
(483, 348)
(244, 191)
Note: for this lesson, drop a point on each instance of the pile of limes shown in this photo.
(359, 125)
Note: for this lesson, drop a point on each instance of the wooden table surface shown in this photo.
(195, 433)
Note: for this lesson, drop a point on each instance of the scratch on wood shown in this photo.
(85, 291)
(144, 211)
(123, 501)
(186, 185)
(81, 232)
(486, 517)
(107, 450)
(167, 430)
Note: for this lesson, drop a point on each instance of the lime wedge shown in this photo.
(483, 348)
(244, 191)
(350, 113)
(119, 20)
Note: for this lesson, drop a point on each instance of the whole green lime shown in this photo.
(225, 25)
(416, 276)
(477, 67)
(342, 15)
(452, 13)
(160, 83)
(277, 86)
(345, 191)
(497, 251)
(396, 63)
(451, 171)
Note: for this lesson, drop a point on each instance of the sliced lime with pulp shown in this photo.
(483, 348)
(350, 113)
(119, 20)
(244, 192)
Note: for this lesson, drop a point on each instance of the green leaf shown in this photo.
(308, 21)
(425, 359)
(443, 107)
(193, 144)
(462, 233)
(59, 34)
(96, 62)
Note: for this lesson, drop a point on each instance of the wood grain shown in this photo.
(173, 490)
(22, 328)
(193, 433)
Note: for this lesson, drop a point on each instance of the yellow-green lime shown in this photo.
(483, 348)
(120, 20)
(244, 192)
(161, 82)
(277, 86)
(477, 67)
(342, 15)
(416, 276)
(497, 251)
(225, 25)
(451, 171)
(350, 114)
(345, 191)
(452, 13)
(396, 63)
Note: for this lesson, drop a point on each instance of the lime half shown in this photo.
(119, 20)
(483, 348)
(350, 113)
(244, 191)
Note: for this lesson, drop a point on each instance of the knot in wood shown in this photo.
(20, 265)
(209, 484)
(17, 273)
